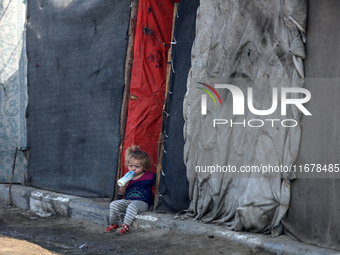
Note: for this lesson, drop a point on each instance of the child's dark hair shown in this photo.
(136, 153)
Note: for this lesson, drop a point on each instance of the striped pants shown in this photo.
(132, 207)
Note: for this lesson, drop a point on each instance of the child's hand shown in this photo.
(122, 190)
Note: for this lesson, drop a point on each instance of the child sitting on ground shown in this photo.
(137, 192)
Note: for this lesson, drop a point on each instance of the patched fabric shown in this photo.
(13, 91)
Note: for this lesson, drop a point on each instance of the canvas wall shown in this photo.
(174, 186)
(314, 209)
(76, 55)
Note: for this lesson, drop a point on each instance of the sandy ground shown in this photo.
(23, 232)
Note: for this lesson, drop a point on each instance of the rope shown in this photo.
(132, 26)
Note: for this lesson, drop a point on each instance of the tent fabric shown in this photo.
(247, 44)
(145, 109)
(315, 203)
(174, 185)
(76, 51)
(13, 91)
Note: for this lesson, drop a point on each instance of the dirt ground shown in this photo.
(21, 232)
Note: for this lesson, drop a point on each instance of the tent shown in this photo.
(83, 110)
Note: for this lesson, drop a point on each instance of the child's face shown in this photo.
(135, 166)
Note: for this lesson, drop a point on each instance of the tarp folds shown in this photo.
(174, 185)
(76, 52)
(247, 44)
(313, 216)
(152, 42)
(13, 90)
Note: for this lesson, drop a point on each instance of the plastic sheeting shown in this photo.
(313, 216)
(13, 90)
(76, 51)
(256, 44)
(174, 185)
(152, 42)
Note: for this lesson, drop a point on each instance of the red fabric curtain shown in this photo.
(152, 42)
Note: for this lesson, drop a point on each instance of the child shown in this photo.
(138, 191)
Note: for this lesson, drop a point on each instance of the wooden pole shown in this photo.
(161, 135)
(127, 81)
(10, 184)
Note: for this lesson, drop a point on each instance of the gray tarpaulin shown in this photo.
(76, 53)
(256, 44)
(313, 216)
(13, 90)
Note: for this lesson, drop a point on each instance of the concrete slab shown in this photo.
(20, 195)
(87, 209)
(46, 203)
